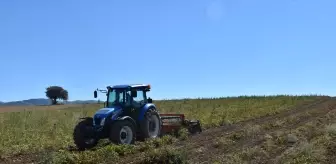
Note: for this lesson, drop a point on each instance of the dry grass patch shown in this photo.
(316, 145)
(223, 142)
(164, 156)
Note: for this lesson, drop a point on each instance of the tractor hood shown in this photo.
(107, 111)
(102, 113)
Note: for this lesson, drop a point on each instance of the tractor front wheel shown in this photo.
(84, 135)
(122, 132)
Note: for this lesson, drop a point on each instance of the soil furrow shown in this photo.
(267, 120)
(226, 130)
(279, 152)
(249, 141)
(293, 110)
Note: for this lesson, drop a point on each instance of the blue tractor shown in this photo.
(128, 115)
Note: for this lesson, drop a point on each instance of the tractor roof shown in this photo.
(130, 85)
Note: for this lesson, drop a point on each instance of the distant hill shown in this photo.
(42, 101)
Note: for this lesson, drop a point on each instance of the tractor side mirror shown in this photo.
(149, 100)
(134, 93)
(95, 94)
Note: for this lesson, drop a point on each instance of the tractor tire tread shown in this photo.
(115, 131)
(150, 112)
(77, 134)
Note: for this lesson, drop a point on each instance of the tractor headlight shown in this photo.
(102, 122)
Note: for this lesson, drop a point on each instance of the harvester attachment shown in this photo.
(171, 123)
(194, 126)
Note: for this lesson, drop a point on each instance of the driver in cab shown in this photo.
(134, 102)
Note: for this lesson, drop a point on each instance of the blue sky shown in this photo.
(189, 48)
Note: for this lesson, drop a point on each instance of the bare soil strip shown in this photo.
(320, 122)
(209, 153)
(220, 132)
(275, 151)
(208, 136)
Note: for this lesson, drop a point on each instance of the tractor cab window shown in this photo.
(128, 98)
(140, 99)
(136, 101)
(121, 97)
(115, 97)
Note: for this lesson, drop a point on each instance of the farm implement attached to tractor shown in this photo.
(128, 115)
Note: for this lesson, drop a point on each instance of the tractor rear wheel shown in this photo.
(122, 132)
(151, 126)
(84, 135)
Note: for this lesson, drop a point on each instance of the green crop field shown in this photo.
(46, 135)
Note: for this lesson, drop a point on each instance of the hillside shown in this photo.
(42, 101)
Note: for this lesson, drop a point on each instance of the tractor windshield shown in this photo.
(115, 97)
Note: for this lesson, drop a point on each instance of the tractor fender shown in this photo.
(129, 119)
(144, 109)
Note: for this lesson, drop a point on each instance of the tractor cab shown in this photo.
(126, 95)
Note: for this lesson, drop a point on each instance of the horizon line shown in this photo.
(182, 98)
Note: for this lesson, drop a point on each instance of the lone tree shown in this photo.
(56, 92)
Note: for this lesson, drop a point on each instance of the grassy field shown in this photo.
(45, 135)
(29, 108)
